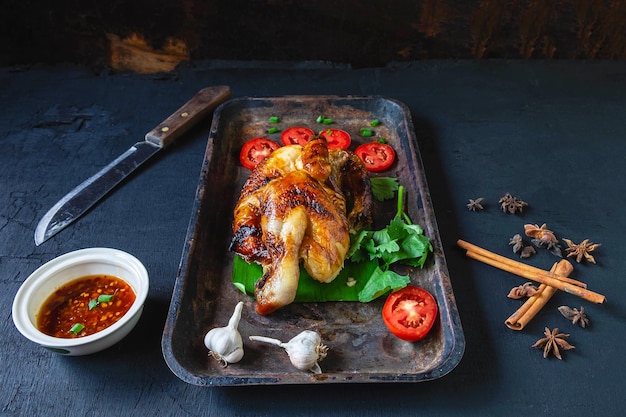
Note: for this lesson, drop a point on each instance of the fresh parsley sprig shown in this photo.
(384, 188)
(401, 241)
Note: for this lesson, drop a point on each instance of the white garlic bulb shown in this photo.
(224, 343)
(305, 350)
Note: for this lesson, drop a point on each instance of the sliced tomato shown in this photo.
(336, 138)
(296, 135)
(410, 313)
(376, 156)
(255, 150)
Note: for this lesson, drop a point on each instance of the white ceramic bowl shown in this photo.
(66, 268)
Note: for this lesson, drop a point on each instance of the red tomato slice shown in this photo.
(410, 313)
(376, 156)
(296, 135)
(255, 150)
(336, 138)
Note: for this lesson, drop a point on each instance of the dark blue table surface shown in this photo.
(552, 133)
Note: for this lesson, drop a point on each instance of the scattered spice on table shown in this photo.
(520, 247)
(521, 291)
(511, 204)
(576, 316)
(562, 283)
(581, 250)
(517, 242)
(527, 311)
(542, 237)
(553, 342)
(475, 205)
(527, 252)
(540, 232)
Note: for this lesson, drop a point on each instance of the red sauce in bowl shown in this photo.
(85, 306)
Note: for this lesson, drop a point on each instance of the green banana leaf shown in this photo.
(309, 290)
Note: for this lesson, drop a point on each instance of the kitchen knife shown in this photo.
(80, 199)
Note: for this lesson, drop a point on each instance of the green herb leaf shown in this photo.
(366, 132)
(356, 240)
(384, 188)
(382, 140)
(272, 130)
(380, 283)
(105, 298)
(240, 286)
(401, 241)
(324, 120)
(274, 119)
(77, 328)
(374, 122)
(346, 287)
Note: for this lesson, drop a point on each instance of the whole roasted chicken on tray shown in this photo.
(300, 204)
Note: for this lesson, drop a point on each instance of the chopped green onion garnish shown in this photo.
(382, 140)
(374, 122)
(366, 132)
(77, 328)
(105, 298)
(272, 130)
(274, 119)
(324, 120)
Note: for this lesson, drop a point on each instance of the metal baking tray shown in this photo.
(361, 349)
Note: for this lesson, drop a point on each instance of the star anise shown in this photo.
(511, 204)
(552, 342)
(525, 290)
(517, 242)
(475, 204)
(576, 316)
(544, 238)
(581, 250)
(519, 246)
(527, 252)
(539, 232)
(552, 247)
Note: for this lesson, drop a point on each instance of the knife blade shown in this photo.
(75, 203)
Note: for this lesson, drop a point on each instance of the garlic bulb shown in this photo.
(224, 343)
(305, 350)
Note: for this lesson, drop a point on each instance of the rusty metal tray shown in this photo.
(360, 347)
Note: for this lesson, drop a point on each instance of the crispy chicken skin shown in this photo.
(352, 180)
(292, 208)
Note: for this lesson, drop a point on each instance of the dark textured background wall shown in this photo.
(356, 32)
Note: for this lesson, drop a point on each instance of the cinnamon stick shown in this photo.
(515, 264)
(557, 281)
(532, 306)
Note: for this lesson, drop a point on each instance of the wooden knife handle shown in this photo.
(200, 105)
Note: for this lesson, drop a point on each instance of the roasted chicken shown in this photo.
(300, 204)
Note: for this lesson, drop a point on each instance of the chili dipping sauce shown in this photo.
(85, 306)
